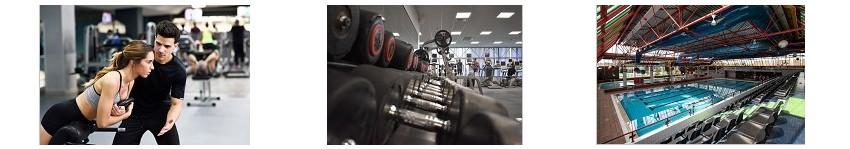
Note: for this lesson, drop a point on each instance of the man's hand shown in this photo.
(173, 114)
(168, 125)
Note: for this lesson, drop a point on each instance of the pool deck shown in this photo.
(607, 120)
(611, 118)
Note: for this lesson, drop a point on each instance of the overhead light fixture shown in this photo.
(497, 42)
(420, 43)
(420, 33)
(463, 15)
(395, 34)
(453, 42)
(518, 42)
(486, 32)
(782, 44)
(713, 21)
(514, 33)
(474, 42)
(456, 33)
(198, 6)
(504, 15)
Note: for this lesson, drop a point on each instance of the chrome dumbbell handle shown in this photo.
(416, 119)
(425, 104)
(428, 96)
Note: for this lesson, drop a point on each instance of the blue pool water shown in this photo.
(652, 106)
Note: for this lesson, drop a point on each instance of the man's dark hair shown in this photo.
(168, 30)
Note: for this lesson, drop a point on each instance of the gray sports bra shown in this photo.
(92, 96)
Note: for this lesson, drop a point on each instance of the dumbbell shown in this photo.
(450, 123)
(424, 67)
(447, 120)
(414, 64)
(428, 94)
(465, 103)
(343, 24)
(351, 109)
(437, 97)
(389, 84)
(416, 119)
(490, 128)
(422, 54)
(392, 89)
(388, 50)
(403, 55)
(429, 90)
(370, 39)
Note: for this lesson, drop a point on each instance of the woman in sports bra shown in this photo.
(98, 102)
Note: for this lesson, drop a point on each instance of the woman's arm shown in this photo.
(109, 88)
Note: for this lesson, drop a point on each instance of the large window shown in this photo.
(789, 60)
(498, 56)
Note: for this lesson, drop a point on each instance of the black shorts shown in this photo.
(210, 46)
(62, 114)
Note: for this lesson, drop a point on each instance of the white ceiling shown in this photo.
(432, 18)
(148, 10)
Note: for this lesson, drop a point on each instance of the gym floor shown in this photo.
(228, 123)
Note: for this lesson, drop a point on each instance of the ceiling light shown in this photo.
(474, 42)
(497, 42)
(420, 33)
(503, 15)
(463, 15)
(713, 21)
(514, 32)
(518, 42)
(486, 32)
(456, 33)
(420, 43)
(783, 44)
(453, 42)
(395, 34)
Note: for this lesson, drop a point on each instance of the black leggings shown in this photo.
(62, 114)
(137, 125)
(239, 52)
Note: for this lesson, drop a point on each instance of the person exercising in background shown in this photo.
(511, 73)
(112, 39)
(211, 59)
(159, 97)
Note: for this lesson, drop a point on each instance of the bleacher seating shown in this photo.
(730, 127)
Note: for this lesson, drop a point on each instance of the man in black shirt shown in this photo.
(196, 32)
(158, 98)
(238, 37)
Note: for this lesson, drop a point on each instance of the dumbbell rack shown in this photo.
(378, 84)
